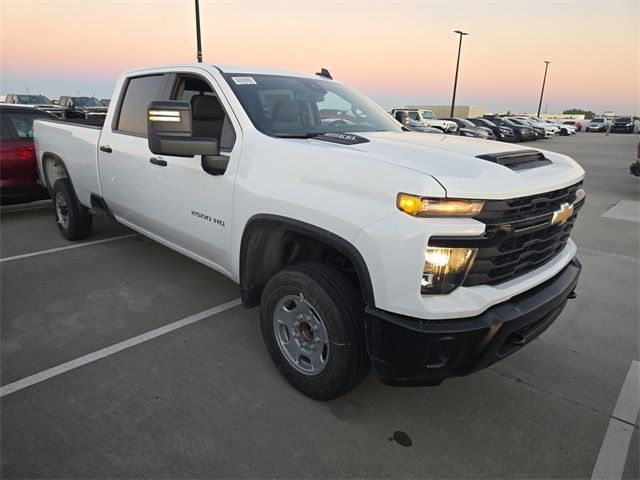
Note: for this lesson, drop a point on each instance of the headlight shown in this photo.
(437, 207)
(445, 269)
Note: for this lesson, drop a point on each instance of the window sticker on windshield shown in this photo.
(244, 80)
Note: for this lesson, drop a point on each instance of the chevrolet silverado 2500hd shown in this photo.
(425, 256)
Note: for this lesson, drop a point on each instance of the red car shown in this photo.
(18, 170)
(575, 123)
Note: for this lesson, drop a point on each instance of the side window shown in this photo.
(209, 118)
(140, 91)
(414, 116)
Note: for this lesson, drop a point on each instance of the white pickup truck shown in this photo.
(426, 118)
(425, 256)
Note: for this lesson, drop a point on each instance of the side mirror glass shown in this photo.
(170, 133)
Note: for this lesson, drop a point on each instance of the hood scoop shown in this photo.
(519, 160)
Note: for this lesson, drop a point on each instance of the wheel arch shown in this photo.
(266, 248)
(54, 169)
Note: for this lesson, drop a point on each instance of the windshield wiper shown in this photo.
(298, 135)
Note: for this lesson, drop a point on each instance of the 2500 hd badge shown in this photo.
(207, 217)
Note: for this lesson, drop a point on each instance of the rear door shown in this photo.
(124, 154)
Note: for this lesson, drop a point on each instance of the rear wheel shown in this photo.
(312, 321)
(73, 225)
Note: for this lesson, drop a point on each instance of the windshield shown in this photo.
(597, 120)
(483, 122)
(518, 121)
(33, 99)
(288, 106)
(506, 122)
(427, 115)
(465, 122)
(624, 119)
(87, 102)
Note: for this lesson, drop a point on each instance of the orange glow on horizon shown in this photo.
(359, 42)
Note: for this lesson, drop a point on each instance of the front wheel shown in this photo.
(312, 321)
(73, 225)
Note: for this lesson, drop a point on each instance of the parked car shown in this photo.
(426, 118)
(523, 133)
(542, 130)
(18, 169)
(468, 129)
(83, 107)
(598, 124)
(502, 133)
(38, 101)
(558, 128)
(425, 256)
(563, 130)
(573, 123)
(622, 124)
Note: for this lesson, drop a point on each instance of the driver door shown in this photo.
(191, 208)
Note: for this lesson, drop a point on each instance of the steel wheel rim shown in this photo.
(301, 335)
(62, 210)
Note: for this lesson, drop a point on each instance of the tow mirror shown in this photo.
(170, 133)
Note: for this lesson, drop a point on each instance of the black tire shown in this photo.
(339, 305)
(73, 225)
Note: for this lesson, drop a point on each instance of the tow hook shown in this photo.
(572, 295)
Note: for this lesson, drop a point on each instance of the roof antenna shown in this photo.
(324, 73)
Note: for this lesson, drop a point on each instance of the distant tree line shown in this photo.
(588, 114)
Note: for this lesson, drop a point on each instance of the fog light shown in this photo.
(445, 269)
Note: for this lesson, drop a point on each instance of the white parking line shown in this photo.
(118, 347)
(59, 249)
(615, 446)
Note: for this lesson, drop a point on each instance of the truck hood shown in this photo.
(453, 162)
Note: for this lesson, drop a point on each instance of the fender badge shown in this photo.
(561, 216)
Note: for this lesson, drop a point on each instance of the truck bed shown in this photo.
(74, 142)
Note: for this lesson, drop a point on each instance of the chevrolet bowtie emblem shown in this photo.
(562, 215)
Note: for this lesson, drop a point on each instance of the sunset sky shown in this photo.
(397, 52)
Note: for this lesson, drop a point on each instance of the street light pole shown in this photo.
(455, 82)
(198, 40)
(546, 62)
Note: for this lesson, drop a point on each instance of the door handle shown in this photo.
(157, 161)
(105, 148)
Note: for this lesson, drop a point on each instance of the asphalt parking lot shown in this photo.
(204, 400)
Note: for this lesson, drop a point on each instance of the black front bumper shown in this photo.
(408, 351)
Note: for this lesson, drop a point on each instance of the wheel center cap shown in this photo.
(306, 331)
